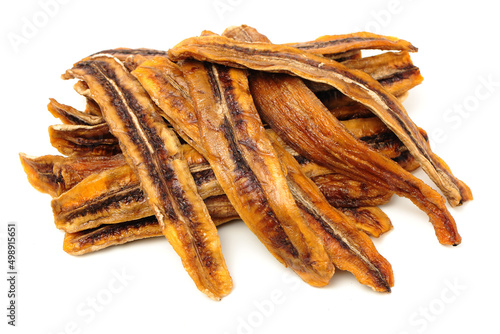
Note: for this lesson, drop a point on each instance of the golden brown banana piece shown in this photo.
(54, 175)
(89, 241)
(349, 248)
(247, 168)
(153, 151)
(372, 222)
(370, 219)
(69, 115)
(72, 139)
(332, 44)
(394, 71)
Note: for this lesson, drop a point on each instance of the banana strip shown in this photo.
(72, 139)
(332, 44)
(245, 164)
(154, 153)
(372, 222)
(70, 115)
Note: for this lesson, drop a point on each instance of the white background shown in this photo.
(438, 289)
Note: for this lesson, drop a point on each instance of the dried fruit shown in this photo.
(301, 141)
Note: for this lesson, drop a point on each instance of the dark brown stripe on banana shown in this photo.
(93, 240)
(344, 108)
(331, 44)
(388, 68)
(109, 197)
(123, 53)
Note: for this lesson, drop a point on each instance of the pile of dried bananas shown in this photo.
(300, 141)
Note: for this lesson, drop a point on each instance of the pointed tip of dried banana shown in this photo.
(407, 46)
(382, 284)
(67, 75)
(217, 293)
(25, 159)
(315, 280)
(208, 33)
(29, 166)
(26, 162)
(386, 289)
